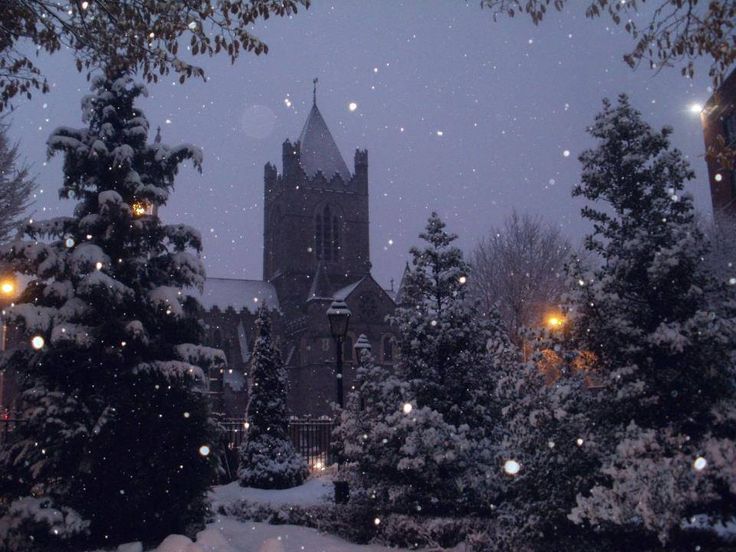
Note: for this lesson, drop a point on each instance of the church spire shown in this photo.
(314, 91)
(157, 139)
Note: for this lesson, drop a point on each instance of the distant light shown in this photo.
(551, 444)
(407, 408)
(375, 69)
(511, 467)
(718, 177)
(696, 108)
(85, 5)
(566, 153)
(700, 463)
(352, 106)
(440, 133)
(204, 450)
(377, 521)
(732, 281)
(7, 287)
(287, 102)
(555, 321)
(69, 242)
(462, 279)
(98, 265)
(38, 342)
(186, 414)
(579, 441)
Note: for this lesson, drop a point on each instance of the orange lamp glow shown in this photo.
(7, 287)
(555, 321)
(140, 208)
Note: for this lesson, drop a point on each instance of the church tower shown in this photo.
(315, 217)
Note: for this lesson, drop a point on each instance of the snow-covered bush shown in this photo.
(268, 459)
(117, 426)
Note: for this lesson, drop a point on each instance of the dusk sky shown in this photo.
(459, 114)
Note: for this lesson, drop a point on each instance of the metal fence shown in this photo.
(311, 438)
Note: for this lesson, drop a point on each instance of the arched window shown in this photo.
(327, 235)
(335, 238)
(388, 349)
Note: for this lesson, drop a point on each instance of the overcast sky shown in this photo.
(460, 115)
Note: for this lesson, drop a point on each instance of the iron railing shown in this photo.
(310, 437)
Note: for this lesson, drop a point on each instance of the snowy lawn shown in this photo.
(312, 493)
(227, 534)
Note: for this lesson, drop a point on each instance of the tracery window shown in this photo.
(327, 235)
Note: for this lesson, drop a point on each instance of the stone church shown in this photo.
(315, 250)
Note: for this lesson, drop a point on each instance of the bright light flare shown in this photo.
(7, 287)
(555, 321)
(38, 342)
(696, 108)
(511, 467)
(700, 463)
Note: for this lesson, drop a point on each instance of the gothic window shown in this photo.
(335, 238)
(327, 235)
(388, 349)
(318, 236)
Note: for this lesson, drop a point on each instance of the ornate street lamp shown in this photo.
(339, 316)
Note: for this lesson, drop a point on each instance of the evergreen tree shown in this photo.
(268, 459)
(545, 444)
(664, 352)
(116, 440)
(420, 436)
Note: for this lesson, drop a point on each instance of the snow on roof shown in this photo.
(344, 293)
(318, 150)
(238, 294)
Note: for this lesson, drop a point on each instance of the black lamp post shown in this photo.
(339, 317)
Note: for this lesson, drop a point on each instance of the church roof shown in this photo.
(238, 294)
(318, 150)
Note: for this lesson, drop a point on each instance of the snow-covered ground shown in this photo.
(227, 534)
(312, 493)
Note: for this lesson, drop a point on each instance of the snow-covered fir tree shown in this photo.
(117, 441)
(268, 459)
(545, 443)
(665, 352)
(420, 436)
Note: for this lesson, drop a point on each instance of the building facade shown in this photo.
(719, 130)
(315, 250)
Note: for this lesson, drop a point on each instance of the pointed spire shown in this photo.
(157, 139)
(314, 91)
(318, 150)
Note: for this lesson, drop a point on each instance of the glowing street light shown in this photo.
(38, 342)
(7, 287)
(555, 321)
